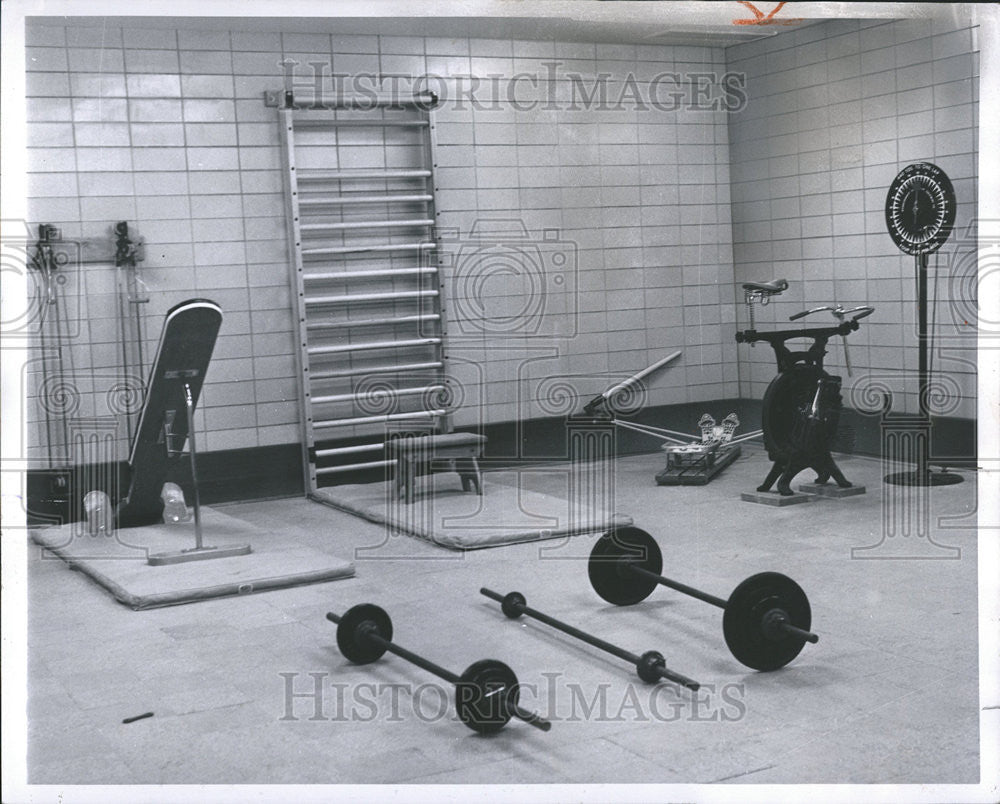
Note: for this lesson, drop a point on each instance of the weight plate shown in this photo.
(484, 695)
(608, 570)
(743, 622)
(355, 625)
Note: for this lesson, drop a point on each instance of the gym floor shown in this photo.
(253, 690)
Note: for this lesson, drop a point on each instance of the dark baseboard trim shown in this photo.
(276, 471)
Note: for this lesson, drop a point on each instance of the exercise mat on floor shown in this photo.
(506, 513)
(119, 562)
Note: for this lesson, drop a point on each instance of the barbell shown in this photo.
(765, 621)
(486, 693)
(650, 667)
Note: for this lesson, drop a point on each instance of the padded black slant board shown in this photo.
(182, 358)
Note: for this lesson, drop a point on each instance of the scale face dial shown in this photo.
(920, 208)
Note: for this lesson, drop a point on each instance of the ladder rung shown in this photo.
(363, 199)
(347, 175)
(366, 297)
(388, 417)
(365, 347)
(322, 103)
(363, 249)
(333, 452)
(338, 227)
(372, 322)
(328, 275)
(329, 470)
(364, 371)
(326, 118)
(327, 400)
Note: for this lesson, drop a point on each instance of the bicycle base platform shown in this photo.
(831, 490)
(776, 499)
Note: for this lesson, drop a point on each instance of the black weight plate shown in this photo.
(355, 624)
(607, 565)
(484, 694)
(743, 620)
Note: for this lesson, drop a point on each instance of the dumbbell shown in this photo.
(765, 621)
(486, 694)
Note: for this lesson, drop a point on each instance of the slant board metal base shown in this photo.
(198, 554)
(776, 499)
(698, 473)
(831, 490)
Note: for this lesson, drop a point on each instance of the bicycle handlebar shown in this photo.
(838, 311)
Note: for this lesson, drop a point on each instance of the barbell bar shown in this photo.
(765, 621)
(650, 666)
(486, 693)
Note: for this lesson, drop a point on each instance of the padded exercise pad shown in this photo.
(441, 513)
(118, 562)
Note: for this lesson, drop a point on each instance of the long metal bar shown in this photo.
(639, 375)
(423, 246)
(372, 345)
(333, 452)
(192, 451)
(351, 298)
(329, 119)
(353, 323)
(590, 639)
(381, 272)
(678, 587)
(311, 104)
(309, 228)
(332, 398)
(315, 175)
(296, 273)
(352, 467)
(389, 417)
(347, 200)
(364, 371)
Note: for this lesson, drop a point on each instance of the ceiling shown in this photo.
(611, 21)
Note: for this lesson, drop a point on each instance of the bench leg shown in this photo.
(471, 477)
(404, 480)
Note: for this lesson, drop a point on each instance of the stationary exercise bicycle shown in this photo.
(802, 404)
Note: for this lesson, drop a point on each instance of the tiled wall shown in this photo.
(167, 129)
(835, 110)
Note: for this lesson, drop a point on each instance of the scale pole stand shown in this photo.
(199, 552)
(920, 430)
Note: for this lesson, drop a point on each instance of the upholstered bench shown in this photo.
(461, 450)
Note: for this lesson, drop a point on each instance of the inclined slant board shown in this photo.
(370, 324)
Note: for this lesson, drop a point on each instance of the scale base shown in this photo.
(927, 478)
(198, 554)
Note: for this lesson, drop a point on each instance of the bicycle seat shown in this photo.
(774, 286)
